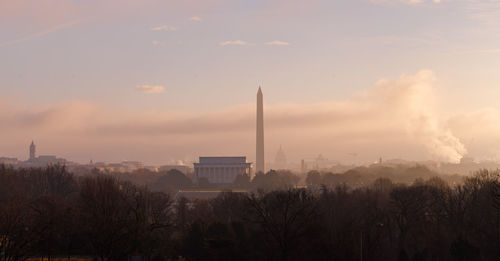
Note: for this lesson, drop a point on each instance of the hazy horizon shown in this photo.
(159, 81)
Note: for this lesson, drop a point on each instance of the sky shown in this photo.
(163, 81)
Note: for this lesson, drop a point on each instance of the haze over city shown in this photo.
(290, 130)
(168, 81)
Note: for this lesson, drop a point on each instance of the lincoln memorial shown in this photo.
(221, 169)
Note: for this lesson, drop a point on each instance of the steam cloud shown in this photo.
(415, 97)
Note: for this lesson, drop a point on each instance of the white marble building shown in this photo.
(220, 170)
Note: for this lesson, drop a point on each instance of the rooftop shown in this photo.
(223, 160)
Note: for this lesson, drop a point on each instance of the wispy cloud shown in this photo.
(164, 28)
(236, 42)
(158, 43)
(41, 33)
(195, 19)
(476, 51)
(484, 12)
(279, 43)
(424, 39)
(412, 2)
(151, 89)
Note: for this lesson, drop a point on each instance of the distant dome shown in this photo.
(280, 158)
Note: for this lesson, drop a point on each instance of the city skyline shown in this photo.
(161, 81)
(138, 130)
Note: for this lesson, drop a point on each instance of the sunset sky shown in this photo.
(160, 81)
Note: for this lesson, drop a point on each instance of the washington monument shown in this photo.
(260, 164)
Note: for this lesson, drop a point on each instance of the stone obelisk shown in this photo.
(260, 164)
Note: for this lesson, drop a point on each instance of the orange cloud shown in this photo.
(279, 43)
(151, 89)
(164, 28)
(235, 42)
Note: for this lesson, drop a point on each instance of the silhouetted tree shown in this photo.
(242, 181)
(282, 179)
(16, 230)
(313, 178)
(385, 213)
(284, 217)
(171, 181)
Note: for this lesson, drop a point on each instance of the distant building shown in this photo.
(116, 167)
(48, 159)
(221, 170)
(42, 160)
(280, 161)
(467, 160)
(8, 161)
(321, 162)
(318, 163)
(131, 166)
(303, 166)
(32, 151)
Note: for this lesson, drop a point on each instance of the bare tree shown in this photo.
(284, 216)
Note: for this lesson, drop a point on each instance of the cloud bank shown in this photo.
(394, 118)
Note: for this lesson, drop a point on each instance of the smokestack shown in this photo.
(260, 164)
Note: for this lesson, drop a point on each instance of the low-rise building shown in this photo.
(131, 166)
(8, 161)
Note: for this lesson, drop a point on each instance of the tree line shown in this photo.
(50, 212)
(173, 180)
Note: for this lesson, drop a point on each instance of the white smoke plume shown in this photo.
(414, 97)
